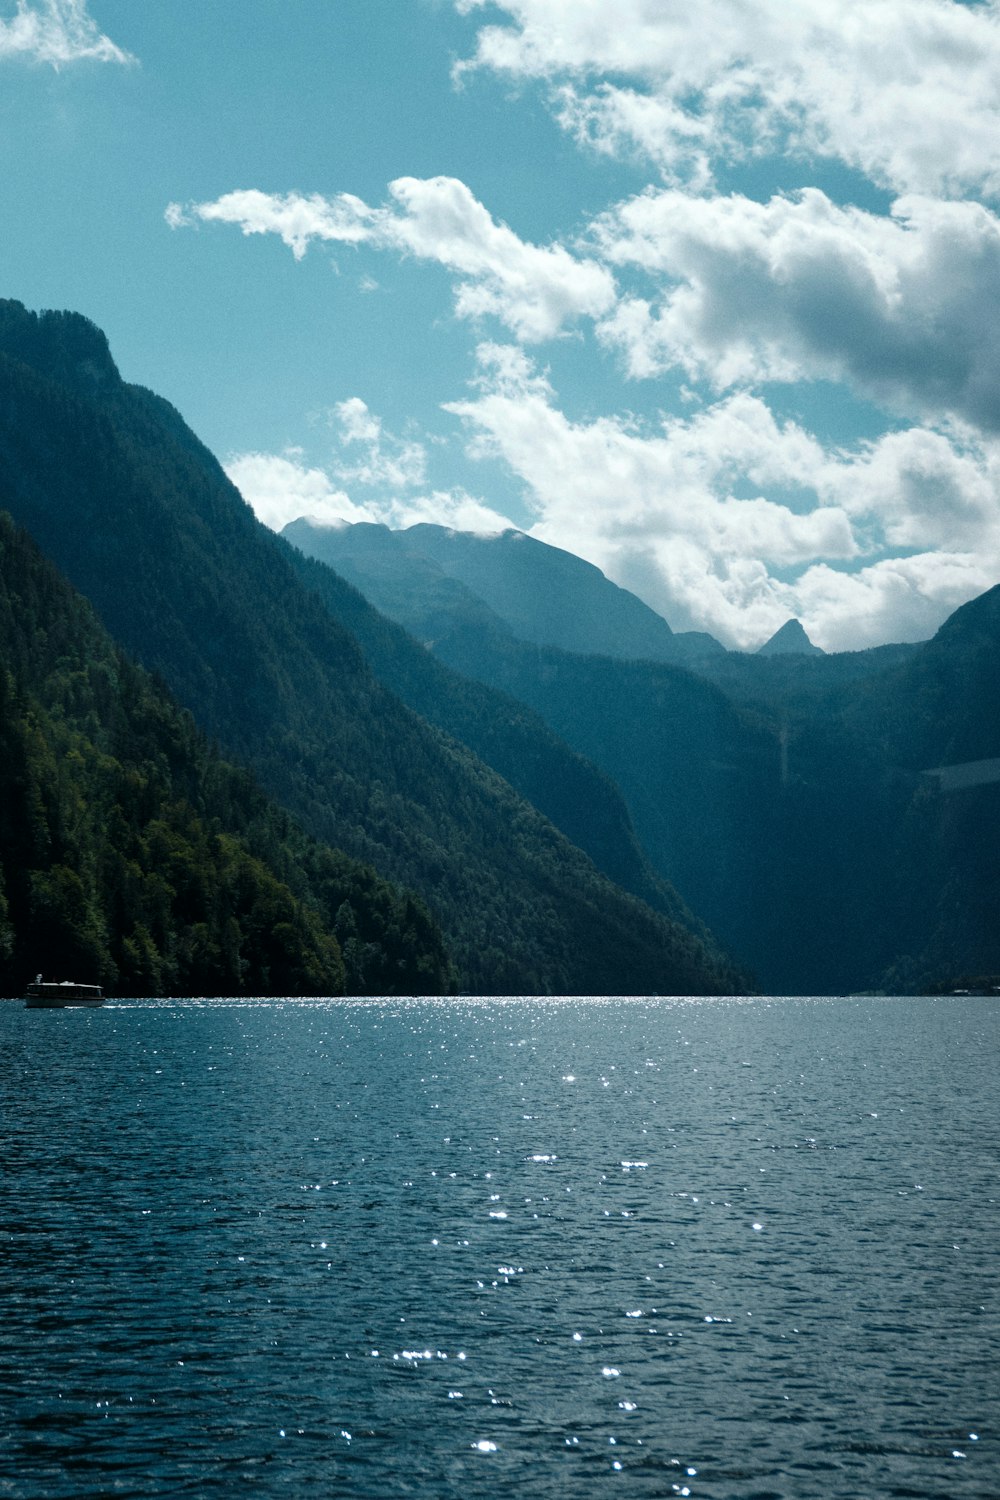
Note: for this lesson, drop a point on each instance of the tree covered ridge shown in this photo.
(132, 855)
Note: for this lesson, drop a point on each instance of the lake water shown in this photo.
(721, 1248)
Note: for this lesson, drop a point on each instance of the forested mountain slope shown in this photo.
(132, 856)
(581, 800)
(120, 494)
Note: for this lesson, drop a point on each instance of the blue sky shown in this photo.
(710, 295)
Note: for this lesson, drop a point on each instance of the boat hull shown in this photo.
(58, 996)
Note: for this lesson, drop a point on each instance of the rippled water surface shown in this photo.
(639, 1248)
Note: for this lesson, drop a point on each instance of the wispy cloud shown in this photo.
(56, 32)
(281, 487)
(534, 290)
(370, 475)
(372, 456)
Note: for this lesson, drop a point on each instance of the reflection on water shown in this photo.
(727, 1249)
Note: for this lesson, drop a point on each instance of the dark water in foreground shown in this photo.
(640, 1248)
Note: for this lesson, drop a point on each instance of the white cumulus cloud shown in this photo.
(280, 487)
(686, 514)
(904, 307)
(906, 91)
(725, 517)
(921, 489)
(896, 599)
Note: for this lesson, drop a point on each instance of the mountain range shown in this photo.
(429, 577)
(766, 788)
(123, 498)
(541, 787)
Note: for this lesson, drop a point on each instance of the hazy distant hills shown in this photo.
(432, 579)
(935, 719)
(799, 823)
(119, 493)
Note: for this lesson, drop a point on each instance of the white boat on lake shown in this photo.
(52, 995)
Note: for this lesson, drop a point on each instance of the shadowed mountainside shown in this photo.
(118, 491)
(783, 794)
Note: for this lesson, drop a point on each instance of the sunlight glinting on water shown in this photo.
(724, 1248)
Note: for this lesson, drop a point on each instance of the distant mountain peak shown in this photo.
(790, 638)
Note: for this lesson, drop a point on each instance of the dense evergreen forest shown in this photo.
(122, 496)
(133, 856)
